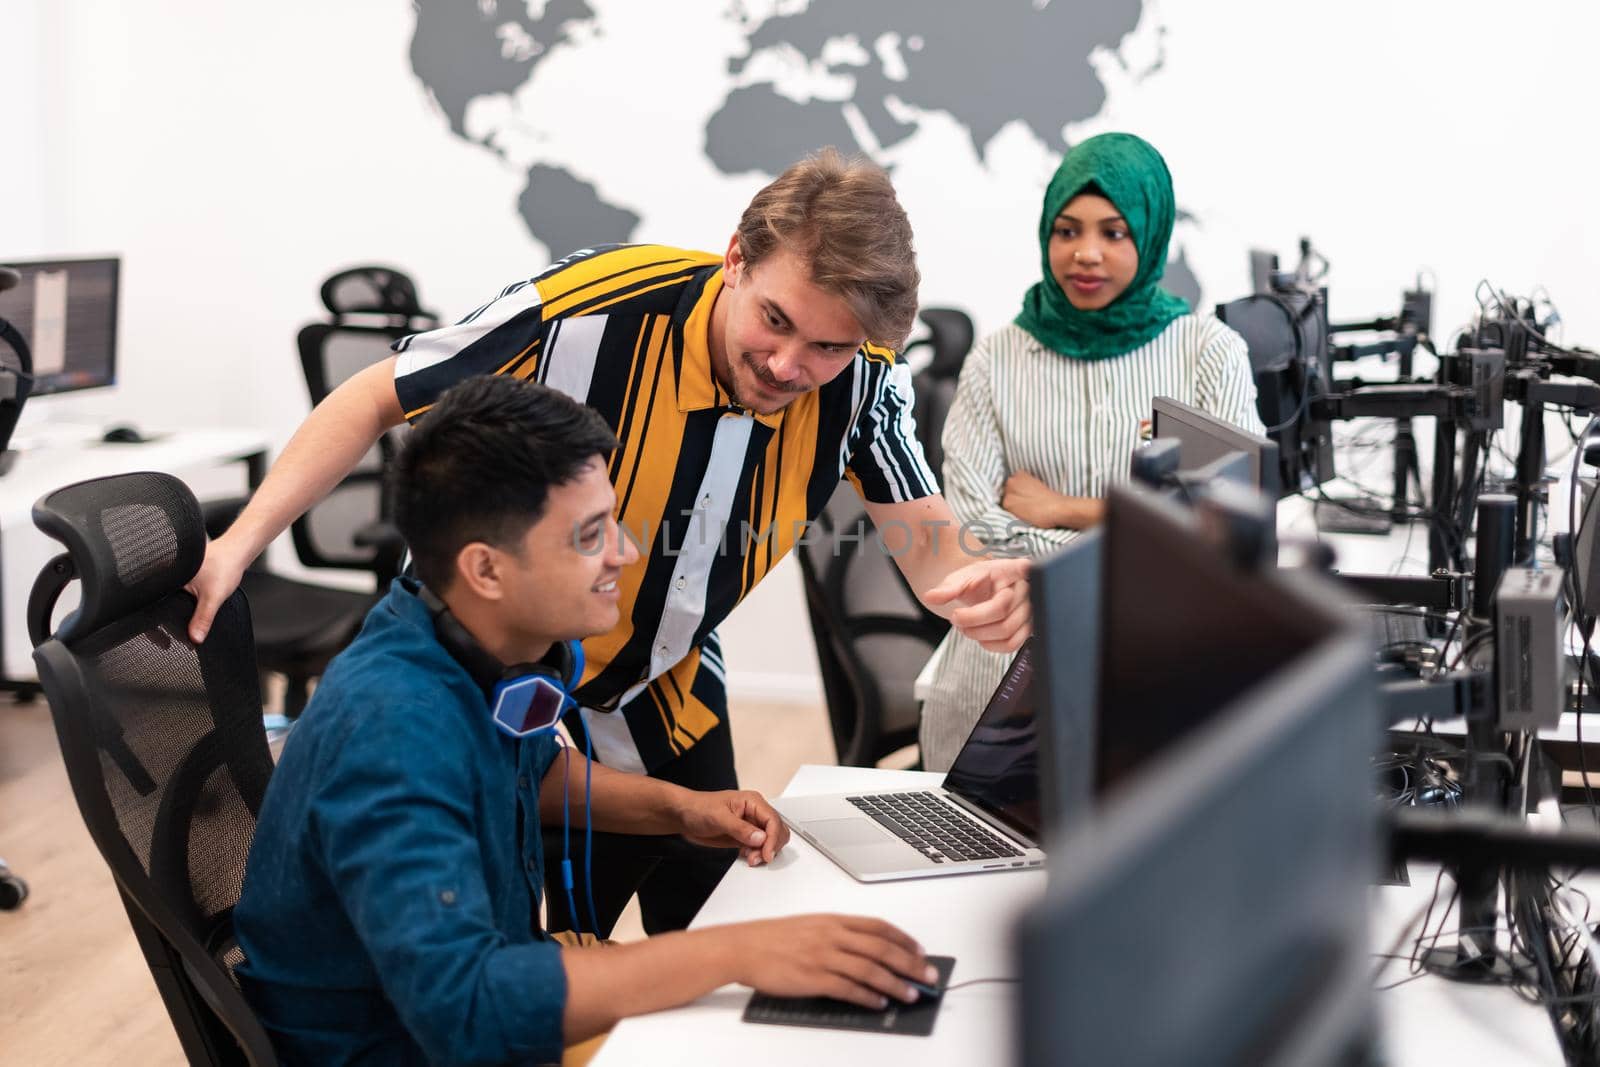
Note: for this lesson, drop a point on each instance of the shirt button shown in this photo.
(522, 781)
(447, 897)
(532, 866)
(705, 501)
(683, 583)
(662, 650)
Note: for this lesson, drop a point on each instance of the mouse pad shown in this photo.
(914, 1020)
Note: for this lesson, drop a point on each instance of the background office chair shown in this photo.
(16, 381)
(372, 307)
(300, 626)
(949, 339)
(873, 636)
(162, 740)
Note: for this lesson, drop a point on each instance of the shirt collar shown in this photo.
(697, 385)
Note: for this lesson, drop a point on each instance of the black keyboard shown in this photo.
(934, 827)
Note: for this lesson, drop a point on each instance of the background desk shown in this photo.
(1429, 1021)
(192, 455)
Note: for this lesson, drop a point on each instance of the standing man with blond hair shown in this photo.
(742, 388)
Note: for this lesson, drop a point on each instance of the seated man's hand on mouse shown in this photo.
(847, 957)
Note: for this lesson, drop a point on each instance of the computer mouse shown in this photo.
(122, 435)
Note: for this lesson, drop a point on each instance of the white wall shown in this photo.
(234, 155)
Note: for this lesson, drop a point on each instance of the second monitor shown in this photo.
(1204, 439)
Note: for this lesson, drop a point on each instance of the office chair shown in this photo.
(162, 739)
(300, 626)
(949, 338)
(16, 382)
(873, 636)
(351, 528)
(16, 375)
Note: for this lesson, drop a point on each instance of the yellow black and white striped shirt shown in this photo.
(714, 495)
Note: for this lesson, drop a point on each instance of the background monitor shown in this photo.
(1212, 909)
(1204, 439)
(66, 309)
(1286, 334)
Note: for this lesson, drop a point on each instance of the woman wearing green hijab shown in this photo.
(1049, 409)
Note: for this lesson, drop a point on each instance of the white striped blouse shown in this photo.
(1074, 425)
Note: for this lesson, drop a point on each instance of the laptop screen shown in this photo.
(998, 768)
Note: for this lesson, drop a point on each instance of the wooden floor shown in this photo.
(74, 988)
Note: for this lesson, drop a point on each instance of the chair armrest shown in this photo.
(47, 589)
(380, 535)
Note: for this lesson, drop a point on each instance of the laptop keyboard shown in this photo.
(934, 827)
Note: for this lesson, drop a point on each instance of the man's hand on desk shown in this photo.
(739, 819)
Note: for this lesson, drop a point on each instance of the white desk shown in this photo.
(1426, 1022)
(191, 455)
(966, 916)
(1432, 1020)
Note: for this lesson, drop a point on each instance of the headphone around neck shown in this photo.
(525, 699)
(517, 684)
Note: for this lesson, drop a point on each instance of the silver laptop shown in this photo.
(984, 818)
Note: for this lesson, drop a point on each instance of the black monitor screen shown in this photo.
(998, 768)
(1181, 634)
(67, 312)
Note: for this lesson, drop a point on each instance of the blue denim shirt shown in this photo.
(388, 911)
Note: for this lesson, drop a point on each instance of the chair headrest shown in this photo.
(950, 335)
(134, 538)
(373, 290)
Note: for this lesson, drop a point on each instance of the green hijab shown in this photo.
(1134, 177)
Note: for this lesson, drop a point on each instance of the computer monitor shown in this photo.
(66, 309)
(1286, 334)
(1204, 439)
(1065, 590)
(1212, 909)
(1183, 632)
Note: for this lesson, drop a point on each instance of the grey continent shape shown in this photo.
(564, 213)
(458, 56)
(984, 63)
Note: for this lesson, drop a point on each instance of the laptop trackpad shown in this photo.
(846, 833)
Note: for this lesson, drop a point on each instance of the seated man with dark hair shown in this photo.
(390, 905)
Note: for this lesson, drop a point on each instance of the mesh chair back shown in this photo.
(372, 307)
(873, 637)
(949, 338)
(162, 741)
